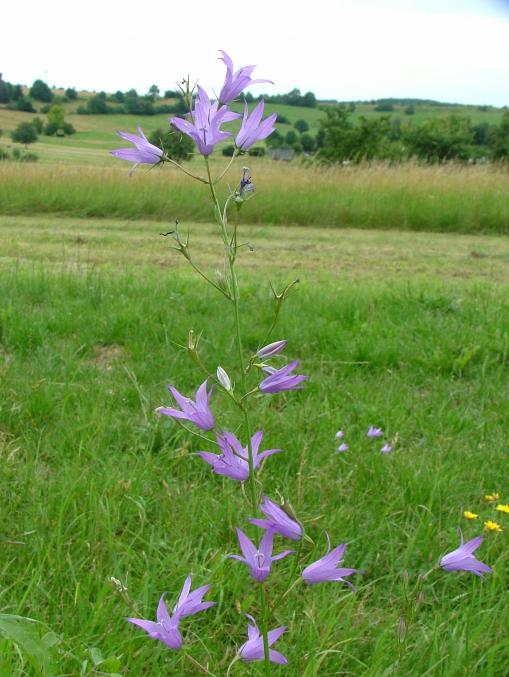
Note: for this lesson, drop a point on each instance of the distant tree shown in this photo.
(410, 109)
(301, 126)
(351, 107)
(56, 124)
(309, 100)
(482, 132)
(171, 94)
(384, 107)
(96, 105)
(395, 129)
(41, 92)
(308, 142)
(441, 138)
(228, 151)
(499, 139)
(17, 92)
(291, 137)
(282, 119)
(38, 125)
(249, 98)
(71, 93)
(275, 140)
(24, 133)
(153, 91)
(175, 145)
(24, 105)
(256, 151)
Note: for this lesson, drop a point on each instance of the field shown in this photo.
(407, 331)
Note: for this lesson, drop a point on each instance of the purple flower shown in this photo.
(143, 152)
(258, 561)
(252, 128)
(233, 461)
(271, 349)
(278, 520)
(166, 628)
(206, 120)
(374, 432)
(198, 412)
(340, 434)
(462, 558)
(343, 447)
(281, 379)
(386, 449)
(327, 569)
(253, 650)
(235, 83)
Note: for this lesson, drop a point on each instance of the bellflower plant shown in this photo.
(253, 129)
(236, 82)
(197, 411)
(143, 152)
(258, 560)
(462, 559)
(327, 567)
(277, 520)
(281, 379)
(253, 649)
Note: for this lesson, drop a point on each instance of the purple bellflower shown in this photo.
(271, 349)
(197, 411)
(235, 83)
(143, 152)
(166, 628)
(281, 379)
(253, 129)
(340, 434)
(258, 561)
(278, 520)
(327, 569)
(343, 447)
(233, 459)
(374, 432)
(386, 449)
(253, 650)
(462, 558)
(206, 117)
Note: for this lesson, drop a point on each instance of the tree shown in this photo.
(71, 93)
(118, 97)
(41, 92)
(308, 142)
(301, 126)
(153, 91)
(291, 137)
(24, 133)
(410, 109)
(24, 105)
(56, 116)
(309, 100)
(177, 146)
(499, 139)
(342, 140)
(439, 139)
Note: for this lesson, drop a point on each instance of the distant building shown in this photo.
(284, 154)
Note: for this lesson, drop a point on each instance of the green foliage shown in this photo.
(439, 139)
(499, 139)
(176, 145)
(24, 133)
(291, 137)
(410, 109)
(345, 141)
(153, 92)
(41, 92)
(293, 98)
(384, 107)
(301, 126)
(71, 93)
(4, 155)
(39, 649)
(256, 151)
(23, 104)
(308, 142)
(38, 125)
(96, 105)
(56, 116)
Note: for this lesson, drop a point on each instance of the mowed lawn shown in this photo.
(406, 331)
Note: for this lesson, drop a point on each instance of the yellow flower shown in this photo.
(492, 497)
(492, 526)
(470, 515)
(502, 508)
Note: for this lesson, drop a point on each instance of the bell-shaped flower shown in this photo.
(462, 559)
(277, 520)
(374, 432)
(281, 379)
(327, 568)
(253, 649)
(271, 349)
(233, 459)
(190, 603)
(205, 121)
(258, 560)
(253, 129)
(236, 82)
(143, 152)
(197, 411)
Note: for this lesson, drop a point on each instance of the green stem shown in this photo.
(265, 632)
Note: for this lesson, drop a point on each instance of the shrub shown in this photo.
(301, 126)
(308, 142)
(71, 93)
(38, 125)
(24, 105)
(228, 151)
(4, 155)
(438, 139)
(256, 151)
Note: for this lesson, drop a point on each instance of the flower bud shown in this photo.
(272, 349)
(223, 378)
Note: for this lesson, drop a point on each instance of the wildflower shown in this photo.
(470, 515)
(253, 650)
(492, 497)
(386, 449)
(343, 447)
(502, 508)
(492, 526)
(327, 569)
(235, 83)
(258, 561)
(281, 379)
(166, 628)
(278, 520)
(340, 434)
(233, 461)
(223, 378)
(374, 432)
(143, 152)
(198, 411)
(462, 558)
(253, 129)
(206, 119)
(271, 349)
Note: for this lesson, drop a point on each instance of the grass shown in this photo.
(406, 331)
(446, 198)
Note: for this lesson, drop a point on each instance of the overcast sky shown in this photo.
(450, 50)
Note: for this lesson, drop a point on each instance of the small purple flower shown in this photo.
(233, 461)
(253, 650)
(252, 128)
(198, 411)
(374, 432)
(258, 561)
(462, 558)
(278, 520)
(343, 447)
(271, 349)
(386, 449)
(206, 119)
(143, 152)
(235, 83)
(340, 434)
(281, 379)
(327, 569)
(166, 628)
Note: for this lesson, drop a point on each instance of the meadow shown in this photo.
(407, 331)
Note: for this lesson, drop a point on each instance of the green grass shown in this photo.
(406, 331)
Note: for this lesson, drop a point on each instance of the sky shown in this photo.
(349, 50)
